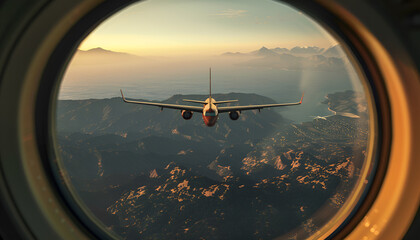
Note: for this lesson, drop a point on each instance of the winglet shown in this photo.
(122, 95)
(301, 98)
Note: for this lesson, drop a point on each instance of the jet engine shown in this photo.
(187, 115)
(234, 115)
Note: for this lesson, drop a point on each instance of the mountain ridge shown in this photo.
(332, 51)
(152, 182)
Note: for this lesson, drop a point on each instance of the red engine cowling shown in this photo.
(234, 115)
(187, 115)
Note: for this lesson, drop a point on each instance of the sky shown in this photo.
(178, 40)
(197, 27)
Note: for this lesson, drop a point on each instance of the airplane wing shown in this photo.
(165, 105)
(259, 107)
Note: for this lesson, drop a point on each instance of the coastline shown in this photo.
(334, 113)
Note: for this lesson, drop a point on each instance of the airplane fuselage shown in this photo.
(210, 112)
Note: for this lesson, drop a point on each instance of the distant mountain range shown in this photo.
(99, 56)
(314, 58)
(102, 51)
(296, 58)
(152, 175)
(334, 51)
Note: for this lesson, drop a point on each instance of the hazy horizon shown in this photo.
(164, 27)
(156, 49)
(213, 54)
(100, 74)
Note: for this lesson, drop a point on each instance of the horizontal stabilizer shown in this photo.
(227, 101)
(194, 101)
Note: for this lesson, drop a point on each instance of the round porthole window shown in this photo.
(289, 166)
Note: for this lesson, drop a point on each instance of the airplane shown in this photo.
(210, 110)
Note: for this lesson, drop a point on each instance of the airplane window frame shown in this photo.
(379, 169)
(32, 124)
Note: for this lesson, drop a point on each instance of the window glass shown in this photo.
(279, 172)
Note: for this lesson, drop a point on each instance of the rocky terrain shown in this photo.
(152, 175)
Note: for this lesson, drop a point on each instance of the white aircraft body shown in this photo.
(210, 109)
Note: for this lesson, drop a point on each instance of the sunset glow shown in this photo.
(163, 27)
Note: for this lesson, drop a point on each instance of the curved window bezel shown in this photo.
(364, 70)
(39, 146)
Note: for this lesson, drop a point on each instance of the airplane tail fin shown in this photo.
(210, 89)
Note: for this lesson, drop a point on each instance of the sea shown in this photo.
(283, 86)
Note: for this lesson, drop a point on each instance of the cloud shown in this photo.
(231, 13)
